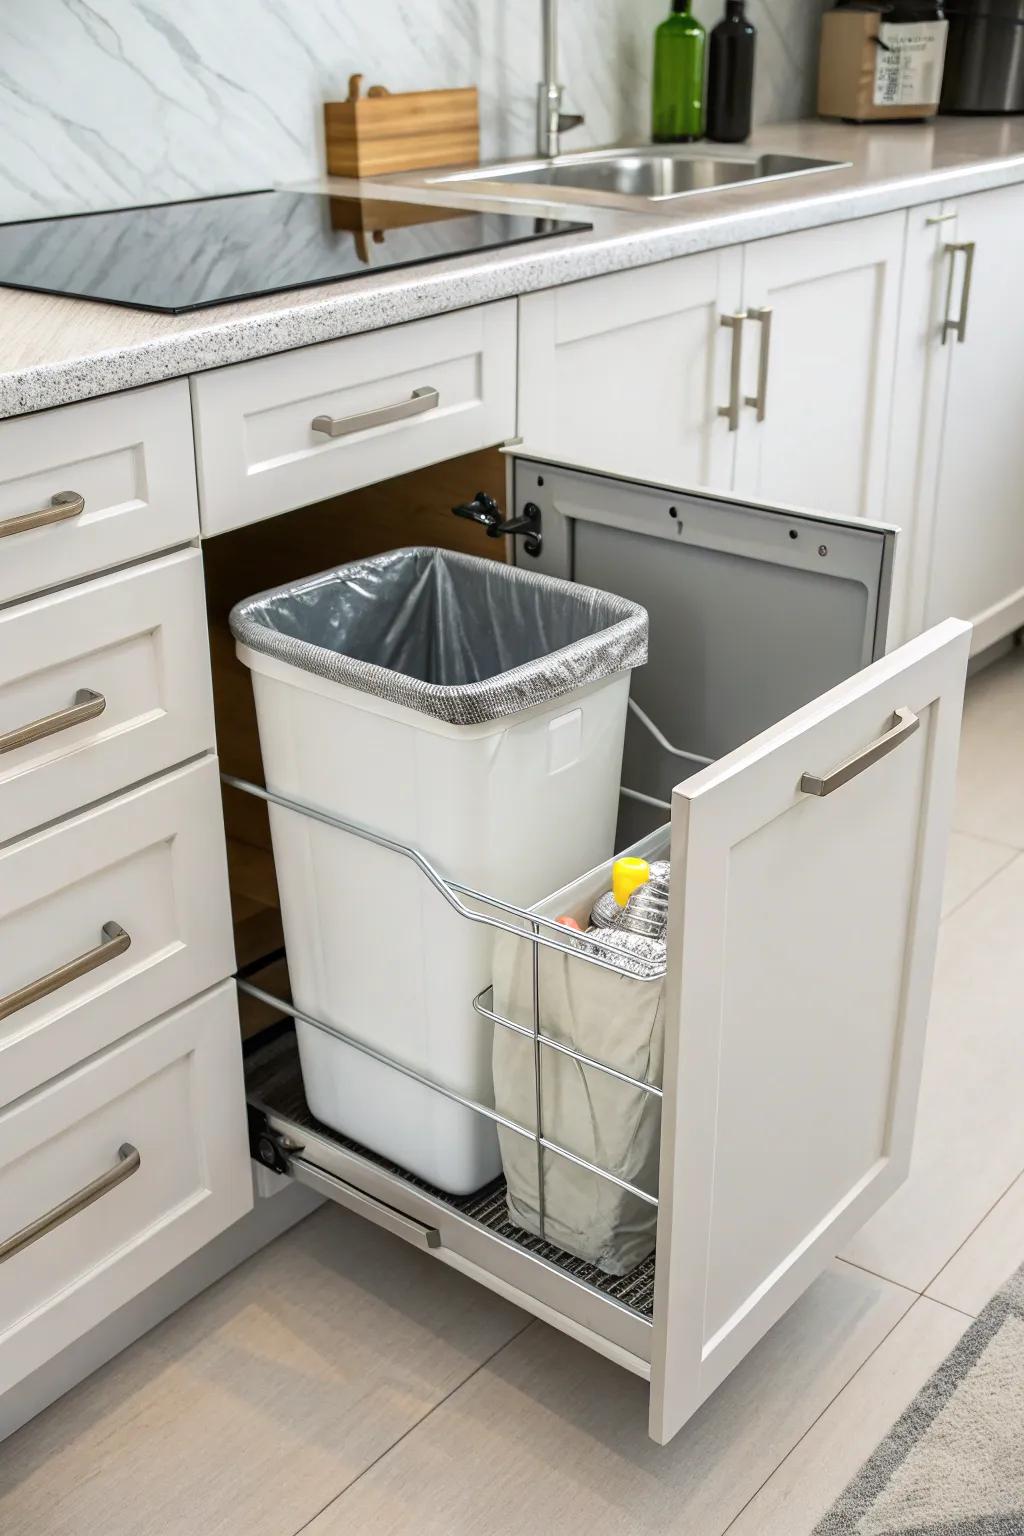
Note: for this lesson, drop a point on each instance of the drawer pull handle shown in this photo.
(88, 704)
(64, 505)
(959, 325)
(115, 942)
(420, 400)
(732, 411)
(904, 724)
(129, 1160)
(760, 400)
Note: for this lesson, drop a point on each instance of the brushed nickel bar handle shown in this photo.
(732, 410)
(760, 400)
(64, 505)
(959, 325)
(426, 399)
(129, 1161)
(904, 724)
(88, 704)
(115, 942)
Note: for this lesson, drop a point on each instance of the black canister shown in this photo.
(731, 76)
(985, 57)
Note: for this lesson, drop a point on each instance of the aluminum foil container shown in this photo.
(646, 911)
(605, 912)
(633, 952)
(450, 635)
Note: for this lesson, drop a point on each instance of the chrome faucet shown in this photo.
(551, 120)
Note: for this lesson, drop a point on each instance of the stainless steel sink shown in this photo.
(651, 174)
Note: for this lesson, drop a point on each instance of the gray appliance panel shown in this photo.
(754, 610)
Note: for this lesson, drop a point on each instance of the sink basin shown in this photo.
(651, 174)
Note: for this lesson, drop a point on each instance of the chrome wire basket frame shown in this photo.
(539, 932)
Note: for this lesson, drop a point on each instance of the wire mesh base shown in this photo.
(273, 1078)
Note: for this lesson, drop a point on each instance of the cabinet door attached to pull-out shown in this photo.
(807, 877)
(811, 782)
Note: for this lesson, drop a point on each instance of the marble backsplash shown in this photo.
(105, 103)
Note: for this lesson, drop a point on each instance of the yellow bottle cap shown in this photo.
(627, 874)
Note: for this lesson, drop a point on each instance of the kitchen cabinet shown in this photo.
(808, 776)
(95, 484)
(116, 1172)
(625, 373)
(822, 307)
(284, 431)
(109, 918)
(765, 369)
(963, 321)
(102, 683)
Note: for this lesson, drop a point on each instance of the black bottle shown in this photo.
(731, 76)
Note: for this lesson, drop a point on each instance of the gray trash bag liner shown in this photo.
(612, 1018)
(450, 635)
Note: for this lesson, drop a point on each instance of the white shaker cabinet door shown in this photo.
(819, 349)
(626, 373)
(919, 399)
(977, 553)
(802, 932)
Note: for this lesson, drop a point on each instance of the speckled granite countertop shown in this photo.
(53, 351)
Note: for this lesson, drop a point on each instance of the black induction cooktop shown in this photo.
(174, 257)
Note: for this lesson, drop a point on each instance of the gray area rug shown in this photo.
(953, 1464)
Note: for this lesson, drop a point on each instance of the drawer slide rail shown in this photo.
(283, 1154)
(474, 1232)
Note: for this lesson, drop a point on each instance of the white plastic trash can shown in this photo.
(471, 710)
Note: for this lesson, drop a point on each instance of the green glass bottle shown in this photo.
(678, 95)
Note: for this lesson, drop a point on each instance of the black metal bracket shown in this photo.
(268, 1146)
(483, 509)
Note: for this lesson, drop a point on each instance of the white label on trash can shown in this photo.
(565, 740)
(908, 63)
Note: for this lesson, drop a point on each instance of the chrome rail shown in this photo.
(535, 930)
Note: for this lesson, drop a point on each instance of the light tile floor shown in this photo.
(341, 1384)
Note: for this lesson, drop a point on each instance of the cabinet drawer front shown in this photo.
(173, 1095)
(101, 685)
(258, 453)
(129, 457)
(151, 863)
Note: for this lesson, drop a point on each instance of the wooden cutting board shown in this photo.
(378, 133)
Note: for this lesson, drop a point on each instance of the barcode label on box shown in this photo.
(908, 67)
